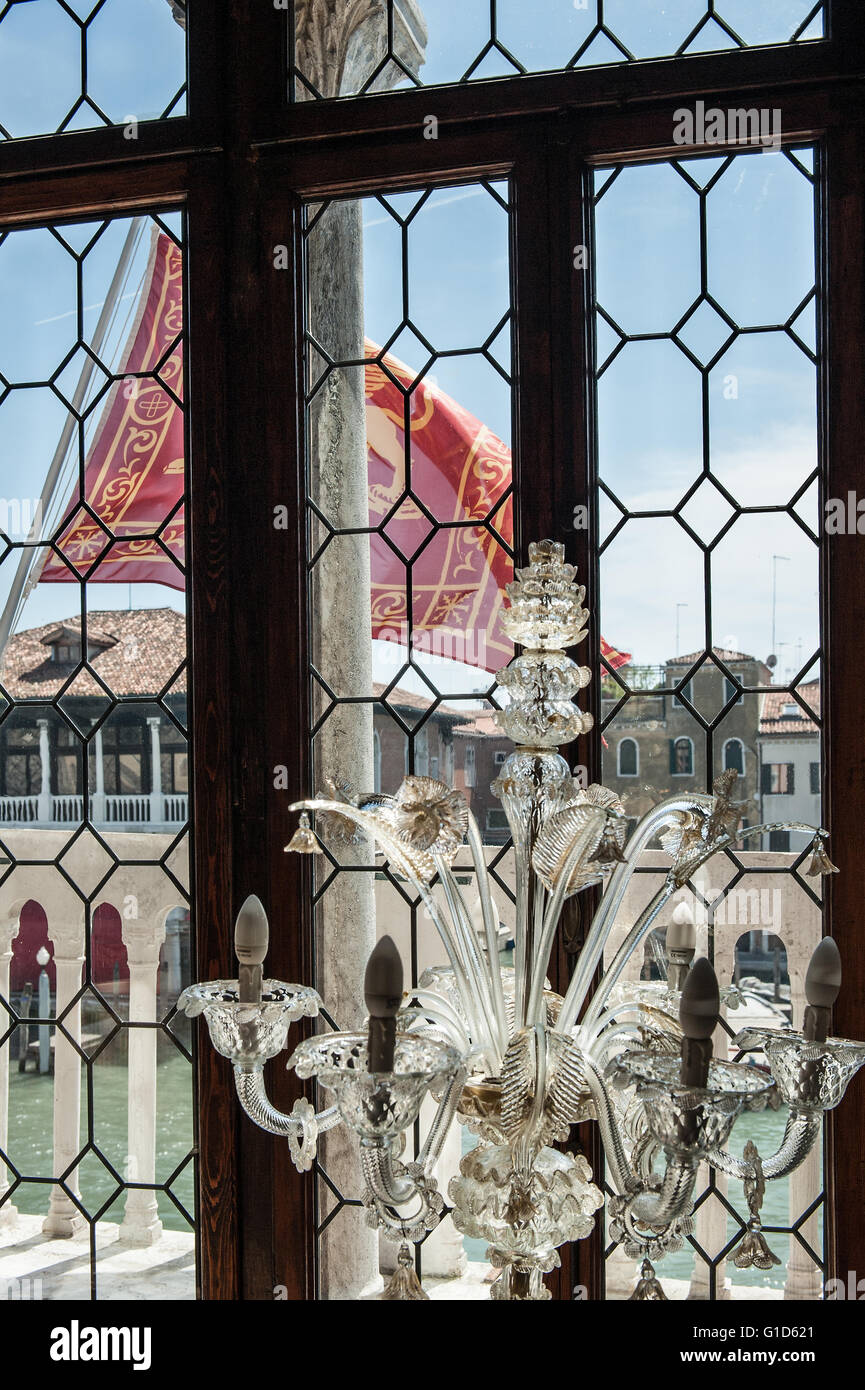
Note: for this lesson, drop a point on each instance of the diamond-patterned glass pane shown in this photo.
(710, 579)
(401, 44)
(410, 535)
(75, 66)
(96, 1094)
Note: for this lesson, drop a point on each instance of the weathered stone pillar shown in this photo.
(157, 811)
(8, 932)
(142, 938)
(44, 807)
(64, 1218)
(339, 46)
(97, 800)
(174, 972)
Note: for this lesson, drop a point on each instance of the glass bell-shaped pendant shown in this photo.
(404, 1285)
(648, 1288)
(303, 841)
(819, 863)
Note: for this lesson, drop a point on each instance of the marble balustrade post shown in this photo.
(157, 810)
(97, 801)
(64, 1218)
(8, 932)
(44, 809)
(143, 939)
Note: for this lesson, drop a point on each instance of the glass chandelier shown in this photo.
(495, 1046)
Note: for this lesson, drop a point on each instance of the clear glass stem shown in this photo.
(674, 1198)
(252, 1094)
(602, 923)
(802, 1129)
(435, 1139)
(491, 928)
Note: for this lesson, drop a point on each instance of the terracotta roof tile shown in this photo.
(774, 722)
(407, 699)
(721, 652)
(147, 646)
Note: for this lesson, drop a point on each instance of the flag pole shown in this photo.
(25, 564)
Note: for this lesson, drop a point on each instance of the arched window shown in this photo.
(470, 765)
(734, 755)
(628, 757)
(682, 757)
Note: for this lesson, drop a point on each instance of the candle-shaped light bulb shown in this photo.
(382, 992)
(698, 1016)
(251, 938)
(681, 943)
(822, 985)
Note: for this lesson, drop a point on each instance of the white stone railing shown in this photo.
(66, 809)
(19, 810)
(176, 808)
(124, 810)
(127, 810)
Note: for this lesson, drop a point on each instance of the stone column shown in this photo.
(174, 973)
(97, 800)
(141, 1224)
(157, 810)
(44, 808)
(64, 1218)
(338, 46)
(8, 932)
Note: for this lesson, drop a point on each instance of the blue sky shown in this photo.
(760, 242)
(136, 63)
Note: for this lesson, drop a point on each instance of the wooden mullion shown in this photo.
(750, 71)
(843, 597)
(209, 525)
(81, 194)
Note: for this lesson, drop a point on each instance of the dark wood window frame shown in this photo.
(241, 163)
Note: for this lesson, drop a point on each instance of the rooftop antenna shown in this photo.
(775, 559)
(678, 606)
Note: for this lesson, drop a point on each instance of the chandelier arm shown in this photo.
(639, 930)
(601, 1045)
(252, 1094)
(605, 917)
(395, 851)
(535, 1013)
(412, 1016)
(800, 1133)
(624, 1178)
(591, 1034)
(433, 1006)
(490, 917)
(521, 918)
(674, 1198)
(587, 836)
(632, 940)
(524, 1146)
(474, 968)
(377, 1163)
(434, 1142)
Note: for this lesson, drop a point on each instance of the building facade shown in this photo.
(686, 723)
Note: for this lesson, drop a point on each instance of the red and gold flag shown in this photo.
(133, 479)
(460, 473)
(444, 519)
